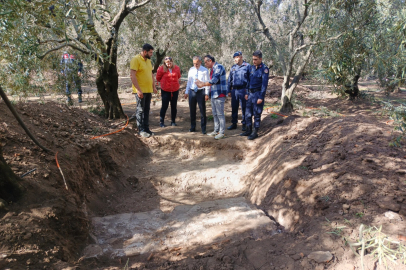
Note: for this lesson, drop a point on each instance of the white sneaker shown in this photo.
(220, 136)
(214, 133)
(145, 134)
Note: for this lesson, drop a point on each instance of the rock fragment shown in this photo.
(321, 256)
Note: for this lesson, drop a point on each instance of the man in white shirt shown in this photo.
(197, 96)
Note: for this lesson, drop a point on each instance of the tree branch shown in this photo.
(268, 35)
(53, 40)
(62, 46)
(300, 22)
(134, 5)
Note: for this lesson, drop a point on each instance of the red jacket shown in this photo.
(169, 81)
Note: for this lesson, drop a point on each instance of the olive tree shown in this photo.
(92, 28)
(293, 29)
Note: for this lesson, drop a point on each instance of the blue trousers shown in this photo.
(254, 109)
(76, 82)
(197, 98)
(238, 98)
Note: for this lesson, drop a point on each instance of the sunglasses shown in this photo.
(168, 58)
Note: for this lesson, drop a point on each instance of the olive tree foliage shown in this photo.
(183, 29)
(349, 55)
(21, 24)
(371, 44)
(389, 47)
(293, 29)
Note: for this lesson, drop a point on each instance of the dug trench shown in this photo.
(185, 201)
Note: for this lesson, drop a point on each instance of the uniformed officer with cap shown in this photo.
(258, 82)
(238, 88)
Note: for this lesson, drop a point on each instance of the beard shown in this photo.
(147, 56)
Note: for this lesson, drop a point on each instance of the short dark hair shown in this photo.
(257, 53)
(210, 57)
(147, 47)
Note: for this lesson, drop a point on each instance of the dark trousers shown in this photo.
(78, 85)
(142, 112)
(238, 98)
(197, 98)
(254, 109)
(169, 97)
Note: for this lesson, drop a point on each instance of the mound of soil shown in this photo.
(49, 226)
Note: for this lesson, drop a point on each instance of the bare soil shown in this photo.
(319, 173)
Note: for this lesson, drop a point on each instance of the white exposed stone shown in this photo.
(186, 227)
(393, 215)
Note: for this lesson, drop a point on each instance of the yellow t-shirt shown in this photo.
(144, 73)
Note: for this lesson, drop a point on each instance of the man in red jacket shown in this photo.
(168, 75)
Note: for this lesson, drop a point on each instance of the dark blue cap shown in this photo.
(237, 54)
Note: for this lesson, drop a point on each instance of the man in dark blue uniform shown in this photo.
(72, 71)
(238, 88)
(258, 82)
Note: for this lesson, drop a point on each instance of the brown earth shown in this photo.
(326, 166)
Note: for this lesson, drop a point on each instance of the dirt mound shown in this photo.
(49, 226)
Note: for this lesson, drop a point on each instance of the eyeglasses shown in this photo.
(168, 58)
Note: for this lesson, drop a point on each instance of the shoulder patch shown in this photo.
(266, 70)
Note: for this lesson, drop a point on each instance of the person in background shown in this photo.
(238, 81)
(168, 75)
(72, 71)
(258, 82)
(218, 92)
(197, 95)
(143, 84)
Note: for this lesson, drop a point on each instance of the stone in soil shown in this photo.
(321, 256)
(187, 227)
(388, 204)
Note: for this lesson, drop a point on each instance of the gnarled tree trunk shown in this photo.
(107, 87)
(159, 57)
(107, 82)
(10, 188)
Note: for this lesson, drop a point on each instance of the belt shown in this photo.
(254, 90)
(239, 87)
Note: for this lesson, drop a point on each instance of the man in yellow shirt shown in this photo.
(143, 85)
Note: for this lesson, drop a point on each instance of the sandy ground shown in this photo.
(317, 175)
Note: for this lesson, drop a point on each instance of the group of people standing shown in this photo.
(246, 85)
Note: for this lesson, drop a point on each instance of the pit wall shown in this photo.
(307, 167)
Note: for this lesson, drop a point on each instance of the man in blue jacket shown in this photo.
(238, 81)
(218, 92)
(258, 82)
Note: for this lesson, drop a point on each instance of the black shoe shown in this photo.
(173, 124)
(162, 125)
(253, 135)
(244, 127)
(247, 132)
(192, 130)
(233, 126)
(147, 130)
(204, 130)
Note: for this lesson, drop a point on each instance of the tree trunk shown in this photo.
(287, 106)
(107, 87)
(159, 58)
(107, 83)
(10, 188)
